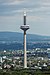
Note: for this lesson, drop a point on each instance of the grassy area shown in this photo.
(24, 72)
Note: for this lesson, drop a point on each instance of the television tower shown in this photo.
(25, 28)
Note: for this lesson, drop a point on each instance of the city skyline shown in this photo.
(38, 11)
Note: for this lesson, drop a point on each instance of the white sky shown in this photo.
(38, 15)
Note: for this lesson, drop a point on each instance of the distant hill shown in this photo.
(10, 36)
(16, 36)
(14, 41)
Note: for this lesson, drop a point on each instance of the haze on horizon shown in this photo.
(38, 15)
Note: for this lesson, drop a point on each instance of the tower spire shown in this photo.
(24, 17)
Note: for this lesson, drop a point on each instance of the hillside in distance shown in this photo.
(16, 36)
(14, 41)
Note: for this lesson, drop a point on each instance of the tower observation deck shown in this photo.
(25, 28)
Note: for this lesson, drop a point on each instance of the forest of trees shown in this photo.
(24, 72)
